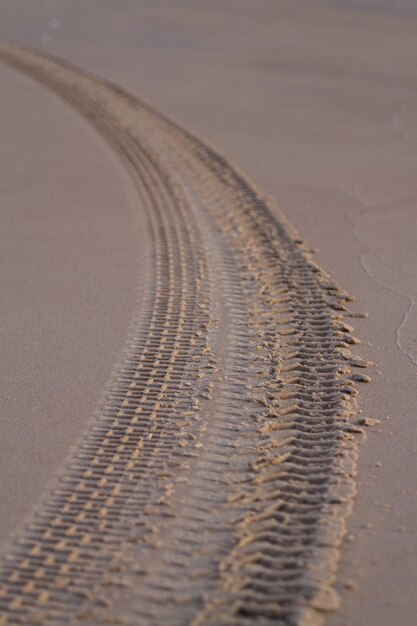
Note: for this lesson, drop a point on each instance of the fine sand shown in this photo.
(69, 283)
(316, 101)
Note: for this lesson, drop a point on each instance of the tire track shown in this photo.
(213, 487)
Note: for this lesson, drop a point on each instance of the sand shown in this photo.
(316, 103)
(69, 285)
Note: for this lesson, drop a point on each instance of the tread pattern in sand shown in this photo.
(213, 486)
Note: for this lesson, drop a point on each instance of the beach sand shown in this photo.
(316, 101)
(69, 285)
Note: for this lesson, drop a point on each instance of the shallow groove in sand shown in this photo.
(213, 487)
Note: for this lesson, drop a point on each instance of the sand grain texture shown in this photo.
(335, 85)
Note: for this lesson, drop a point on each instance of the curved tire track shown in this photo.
(213, 486)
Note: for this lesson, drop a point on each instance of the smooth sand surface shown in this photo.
(317, 102)
(68, 283)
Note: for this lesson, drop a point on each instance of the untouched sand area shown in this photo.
(69, 285)
(316, 101)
